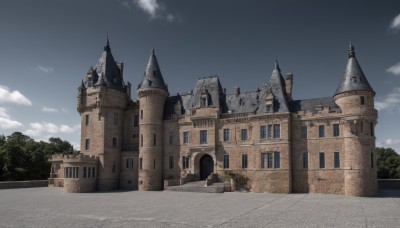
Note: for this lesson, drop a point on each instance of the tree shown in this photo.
(388, 163)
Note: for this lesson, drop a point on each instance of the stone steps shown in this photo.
(198, 186)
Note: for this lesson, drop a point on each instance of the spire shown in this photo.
(107, 47)
(352, 54)
(353, 78)
(152, 77)
(82, 85)
(277, 65)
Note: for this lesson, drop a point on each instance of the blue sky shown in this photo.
(47, 46)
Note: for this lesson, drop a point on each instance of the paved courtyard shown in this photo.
(50, 207)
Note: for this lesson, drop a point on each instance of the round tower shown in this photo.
(152, 93)
(355, 97)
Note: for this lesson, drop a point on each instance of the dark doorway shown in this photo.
(206, 166)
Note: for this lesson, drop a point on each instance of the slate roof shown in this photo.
(353, 78)
(310, 105)
(108, 68)
(152, 77)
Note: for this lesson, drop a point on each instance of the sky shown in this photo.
(47, 46)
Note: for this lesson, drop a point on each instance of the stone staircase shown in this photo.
(198, 186)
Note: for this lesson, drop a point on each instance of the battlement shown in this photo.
(74, 158)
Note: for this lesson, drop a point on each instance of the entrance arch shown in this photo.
(206, 166)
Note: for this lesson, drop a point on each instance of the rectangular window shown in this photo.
(263, 160)
(244, 134)
(93, 172)
(268, 108)
(277, 160)
(263, 132)
(269, 132)
(185, 162)
(277, 131)
(89, 172)
(336, 131)
(226, 135)
(203, 102)
(244, 161)
(305, 160)
(336, 160)
(84, 171)
(361, 127)
(269, 160)
(87, 120)
(114, 168)
(203, 136)
(171, 137)
(226, 161)
(303, 132)
(362, 100)
(154, 164)
(186, 137)
(372, 160)
(321, 131)
(136, 120)
(115, 119)
(114, 142)
(371, 125)
(87, 144)
(129, 163)
(171, 162)
(141, 140)
(140, 163)
(141, 114)
(154, 139)
(322, 160)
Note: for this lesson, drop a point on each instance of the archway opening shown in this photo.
(206, 166)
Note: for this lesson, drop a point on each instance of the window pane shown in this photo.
(263, 160)
(303, 132)
(336, 159)
(305, 160)
(269, 155)
(277, 131)
(244, 134)
(321, 131)
(335, 130)
(269, 133)
(226, 135)
(263, 132)
(171, 162)
(226, 161)
(203, 137)
(171, 137)
(244, 161)
(321, 160)
(277, 160)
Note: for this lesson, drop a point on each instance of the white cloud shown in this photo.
(39, 129)
(395, 69)
(8, 96)
(64, 110)
(44, 69)
(395, 25)
(148, 6)
(6, 122)
(47, 109)
(170, 18)
(390, 102)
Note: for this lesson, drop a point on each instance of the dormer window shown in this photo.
(203, 102)
(268, 108)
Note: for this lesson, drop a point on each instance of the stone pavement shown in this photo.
(50, 207)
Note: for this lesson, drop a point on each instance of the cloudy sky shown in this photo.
(47, 46)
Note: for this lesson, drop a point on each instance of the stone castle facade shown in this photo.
(274, 142)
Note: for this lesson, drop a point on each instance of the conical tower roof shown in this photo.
(152, 77)
(108, 68)
(277, 84)
(353, 78)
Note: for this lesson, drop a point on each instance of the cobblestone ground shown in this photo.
(50, 207)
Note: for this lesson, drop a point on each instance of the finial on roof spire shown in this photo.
(277, 65)
(107, 47)
(152, 49)
(352, 53)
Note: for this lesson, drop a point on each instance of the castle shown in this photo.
(279, 144)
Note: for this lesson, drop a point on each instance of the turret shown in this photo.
(152, 93)
(101, 104)
(355, 97)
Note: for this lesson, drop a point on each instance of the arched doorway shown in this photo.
(206, 166)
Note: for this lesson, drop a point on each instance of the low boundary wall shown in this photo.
(389, 183)
(23, 184)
